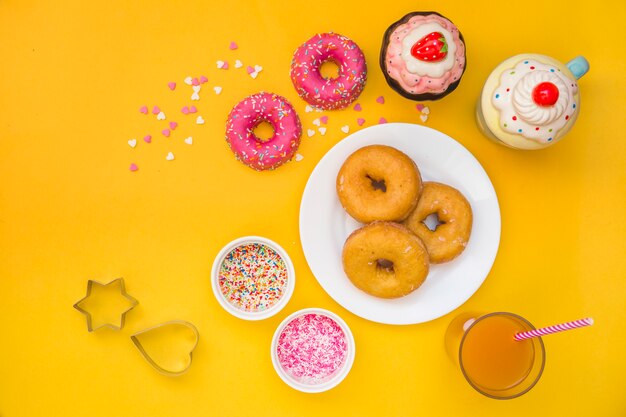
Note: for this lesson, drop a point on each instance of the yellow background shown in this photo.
(72, 78)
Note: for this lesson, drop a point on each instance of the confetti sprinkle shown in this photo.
(188, 80)
(312, 348)
(195, 96)
(249, 69)
(423, 118)
(199, 120)
(310, 132)
(322, 130)
(171, 85)
(324, 119)
(185, 110)
(132, 143)
(169, 157)
(419, 107)
(233, 46)
(357, 107)
(166, 133)
(316, 122)
(189, 140)
(222, 64)
(143, 109)
(238, 64)
(193, 109)
(147, 138)
(299, 157)
(253, 277)
(382, 120)
(426, 110)
(195, 81)
(203, 79)
(156, 110)
(380, 100)
(133, 167)
(173, 125)
(345, 129)
(360, 121)
(217, 89)
(161, 116)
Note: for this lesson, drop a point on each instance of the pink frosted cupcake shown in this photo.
(423, 56)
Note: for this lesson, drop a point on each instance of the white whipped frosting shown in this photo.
(424, 68)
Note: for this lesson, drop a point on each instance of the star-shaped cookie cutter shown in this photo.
(132, 303)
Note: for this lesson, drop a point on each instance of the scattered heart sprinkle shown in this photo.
(161, 116)
(156, 110)
(185, 110)
(193, 109)
(423, 117)
(419, 106)
(258, 68)
(357, 107)
(196, 88)
(132, 143)
(249, 69)
(360, 121)
(173, 125)
(308, 109)
(299, 157)
(322, 130)
(171, 85)
(380, 100)
(310, 132)
(147, 138)
(133, 167)
(222, 64)
(170, 156)
(203, 79)
(166, 133)
(382, 120)
(195, 81)
(195, 96)
(188, 80)
(238, 64)
(189, 140)
(143, 109)
(199, 120)
(233, 46)
(316, 122)
(217, 89)
(426, 110)
(345, 129)
(324, 119)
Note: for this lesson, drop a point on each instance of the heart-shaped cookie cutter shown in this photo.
(165, 369)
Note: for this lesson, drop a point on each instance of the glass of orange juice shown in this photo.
(492, 361)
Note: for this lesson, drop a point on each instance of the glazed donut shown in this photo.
(248, 114)
(378, 182)
(450, 237)
(328, 93)
(385, 260)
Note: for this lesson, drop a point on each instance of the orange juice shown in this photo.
(491, 358)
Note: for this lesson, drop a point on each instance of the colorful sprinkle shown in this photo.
(382, 120)
(357, 107)
(173, 125)
(166, 133)
(133, 167)
(171, 85)
(156, 110)
(233, 46)
(360, 121)
(169, 157)
(253, 277)
(380, 100)
(143, 109)
(147, 138)
(324, 119)
(419, 107)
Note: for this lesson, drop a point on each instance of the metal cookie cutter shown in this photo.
(168, 346)
(91, 304)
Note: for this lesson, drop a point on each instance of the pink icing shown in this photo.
(331, 93)
(415, 83)
(312, 348)
(248, 114)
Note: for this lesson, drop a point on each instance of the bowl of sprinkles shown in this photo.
(253, 278)
(313, 350)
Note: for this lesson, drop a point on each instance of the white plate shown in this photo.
(324, 225)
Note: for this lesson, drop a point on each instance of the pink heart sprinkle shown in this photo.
(419, 107)
(225, 65)
(357, 107)
(380, 100)
(185, 110)
(133, 167)
(195, 81)
(233, 46)
(173, 125)
(166, 133)
(382, 120)
(147, 139)
(156, 110)
(171, 85)
(360, 121)
(324, 119)
(144, 109)
(250, 69)
(193, 109)
(203, 79)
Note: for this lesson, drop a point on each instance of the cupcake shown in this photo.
(423, 56)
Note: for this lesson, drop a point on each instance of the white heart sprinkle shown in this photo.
(170, 156)
(310, 132)
(316, 122)
(258, 68)
(426, 110)
(238, 64)
(217, 89)
(132, 143)
(188, 80)
(199, 120)
(220, 64)
(161, 116)
(345, 129)
(318, 110)
(196, 88)
(299, 157)
(424, 118)
(308, 109)
(322, 130)
(254, 74)
(195, 96)
(189, 140)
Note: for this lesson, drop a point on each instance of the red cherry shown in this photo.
(545, 94)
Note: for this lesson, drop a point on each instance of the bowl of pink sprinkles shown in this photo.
(253, 278)
(313, 350)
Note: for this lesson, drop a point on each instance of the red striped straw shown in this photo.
(554, 329)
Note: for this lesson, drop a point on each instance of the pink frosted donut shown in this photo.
(248, 114)
(328, 93)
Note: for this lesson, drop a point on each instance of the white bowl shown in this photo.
(234, 310)
(338, 377)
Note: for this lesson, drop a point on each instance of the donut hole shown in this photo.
(385, 264)
(263, 131)
(329, 70)
(432, 221)
(378, 184)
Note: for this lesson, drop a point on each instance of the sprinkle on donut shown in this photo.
(329, 93)
(247, 115)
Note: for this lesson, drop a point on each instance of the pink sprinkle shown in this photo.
(195, 81)
(166, 133)
(419, 107)
(133, 167)
(143, 109)
(147, 139)
(173, 125)
(233, 46)
(380, 100)
(193, 109)
(324, 119)
(224, 65)
(357, 107)
(360, 121)
(382, 120)
(156, 110)
(250, 69)
(185, 110)
(203, 79)
(171, 85)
